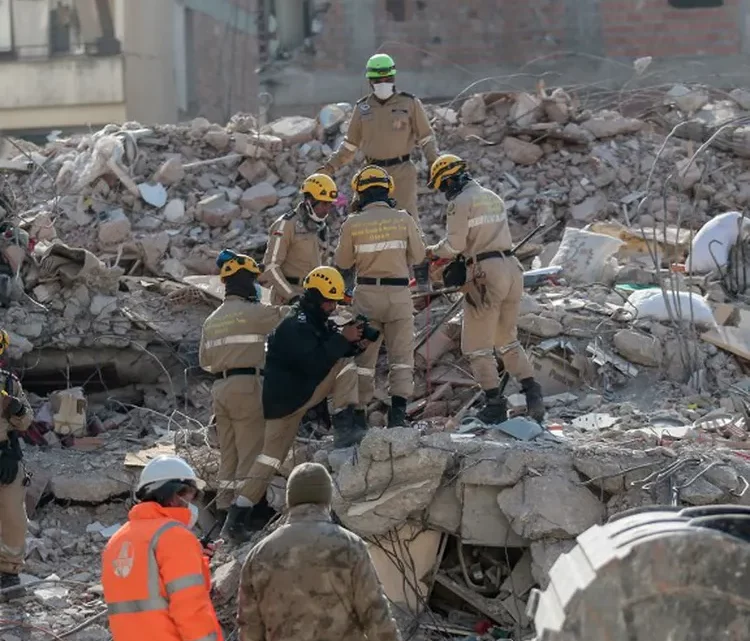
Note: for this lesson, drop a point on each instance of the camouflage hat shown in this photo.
(309, 483)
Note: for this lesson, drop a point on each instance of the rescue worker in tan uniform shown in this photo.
(15, 416)
(306, 354)
(233, 349)
(297, 240)
(386, 125)
(477, 231)
(381, 243)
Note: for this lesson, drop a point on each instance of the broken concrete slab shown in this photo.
(550, 506)
(639, 348)
(385, 444)
(217, 211)
(482, 520)
(259, 197)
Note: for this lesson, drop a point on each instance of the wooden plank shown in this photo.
(734, 340)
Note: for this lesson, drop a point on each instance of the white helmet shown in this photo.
(163, 469)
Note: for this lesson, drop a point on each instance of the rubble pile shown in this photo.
(644, 361)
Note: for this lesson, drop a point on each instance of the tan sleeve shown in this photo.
(21, 423)
(249, 621)
(457, 228)
(344, 256)
(370, 603)
(271, 316)
(280, 237)
(424, 132)
(349, 145)
(416, 248)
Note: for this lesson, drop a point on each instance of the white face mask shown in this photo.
(194, 512)
(383, 90)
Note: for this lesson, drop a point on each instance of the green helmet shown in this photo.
(380, 65)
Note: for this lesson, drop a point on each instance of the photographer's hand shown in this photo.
(352, 332)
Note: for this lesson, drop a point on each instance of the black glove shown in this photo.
(16, 406)
(9, 464)
(293, 300)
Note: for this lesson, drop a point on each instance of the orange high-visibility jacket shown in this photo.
(156, 579)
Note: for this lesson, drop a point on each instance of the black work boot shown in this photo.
(534, 399)
(235, 527)
(360, 420)
(10, 586)
(397, 412)
(495, 409)
(345, 432)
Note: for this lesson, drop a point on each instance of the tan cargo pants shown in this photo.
(391, 311)
(12, 525)
(281, 432)
(491, 331)
(238, 406)
(405, 187)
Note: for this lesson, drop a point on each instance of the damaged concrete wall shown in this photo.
(436, 60)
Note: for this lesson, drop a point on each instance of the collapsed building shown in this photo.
(642, 349)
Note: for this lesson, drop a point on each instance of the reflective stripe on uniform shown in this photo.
(348, 368)
(426, 139)
(481, 352)
(363, 371)
(184, 582)
(401, 366)
(487, 219)
(371, 248)
(154, 601)
(263, 459)
(349, 146)
(279, 277)
(507, 348)
(239, 339)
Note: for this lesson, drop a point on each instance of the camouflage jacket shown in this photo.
(12, 386)
(312, 580)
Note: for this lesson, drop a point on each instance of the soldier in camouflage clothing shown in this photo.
(312, 580)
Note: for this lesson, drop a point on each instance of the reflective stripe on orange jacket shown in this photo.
(156, 579)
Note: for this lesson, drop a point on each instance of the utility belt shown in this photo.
(389, 162)
(393, 282)
(505, 253)
(240, 371)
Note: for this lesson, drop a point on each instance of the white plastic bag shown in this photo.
(651, 303)
(720, 233)
(586, 257)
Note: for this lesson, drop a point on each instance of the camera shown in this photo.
(369, 333)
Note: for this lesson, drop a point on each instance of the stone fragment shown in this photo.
(114, 228)
(103, 304)
(614, 470)
(549, 506)
(154, 246)
(226, 581)
(385, 444)
(171, 172)
(520, 152)
(687, 100)
(218, 139)
(639, 348)
(90, 487)
(689, 172)
(217, 211)
(444, 512)
(483, 522)
(540, 326)
(741, 97)
(174, 212)
(473, 111)
(607, 124)
(259, 197)
(294, 130)
(526, 111)
(253, 170)
(589, 209)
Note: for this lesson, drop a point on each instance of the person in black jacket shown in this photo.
(305, 355)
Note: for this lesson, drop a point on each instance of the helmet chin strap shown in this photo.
(313, 216)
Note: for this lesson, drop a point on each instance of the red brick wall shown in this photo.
(633, 28)
(224, 64)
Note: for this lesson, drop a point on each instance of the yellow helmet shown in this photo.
(4, 340)
(372, 176)
(328, 281)
(445, 166)
(320, 187)
(230, 263)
